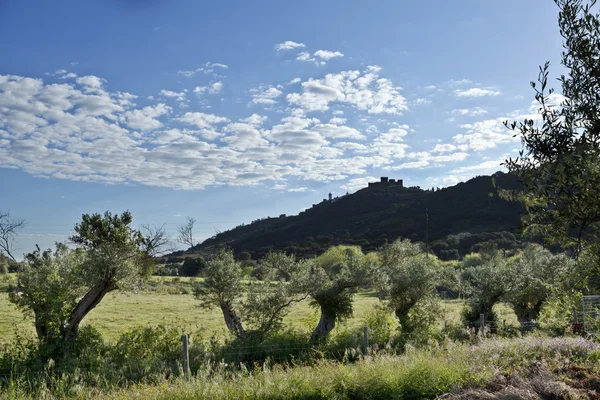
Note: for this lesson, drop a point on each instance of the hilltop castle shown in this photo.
(386, 182)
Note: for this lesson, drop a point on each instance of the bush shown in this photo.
(146, 353)
(381, 326)
(192, 267)
(3, 269)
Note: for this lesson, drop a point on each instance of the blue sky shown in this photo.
(231, 111)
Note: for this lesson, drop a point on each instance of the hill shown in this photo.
(380, 213)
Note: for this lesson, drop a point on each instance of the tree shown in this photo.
(334, 276)
(186, 232)
(222, 287)
(260, 304)
(192, 266)
(409, 287)
(9, 227)
(533, 277)
(60, 288)
(488, 284)
(559, 165)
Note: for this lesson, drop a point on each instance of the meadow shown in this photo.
(169, 301)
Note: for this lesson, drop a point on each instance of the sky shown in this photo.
(235, 110)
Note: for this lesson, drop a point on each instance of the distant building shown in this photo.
(384, 181)
(330, 196)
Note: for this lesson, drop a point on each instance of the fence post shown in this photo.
(366, 337)
(482, 325)
(504, 324)
(185, 339)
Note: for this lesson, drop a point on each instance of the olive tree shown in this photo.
(533, 276)
(488, 285)
(559, 165)
(334, 277)
(409, 284)
(259, 305)
(61, 287)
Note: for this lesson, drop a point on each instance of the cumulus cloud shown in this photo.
(319, 57)
(364, 90)
(476, 92)
(82, 131)
(265, 95)
(327, 55)
(213, 88)
(179, 96)
(288, 45)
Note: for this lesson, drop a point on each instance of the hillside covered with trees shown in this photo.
(376, 215)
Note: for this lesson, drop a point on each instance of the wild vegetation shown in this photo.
(410, 353)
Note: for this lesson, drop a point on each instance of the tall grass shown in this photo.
(416, 374)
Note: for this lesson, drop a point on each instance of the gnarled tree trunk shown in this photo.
(324, 328)
(85, 305)
(233, 321)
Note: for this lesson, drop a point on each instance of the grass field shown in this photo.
(157, 304)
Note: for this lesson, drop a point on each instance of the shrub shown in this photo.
(381, 325)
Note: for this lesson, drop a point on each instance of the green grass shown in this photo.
(496, 368)
(121, 311)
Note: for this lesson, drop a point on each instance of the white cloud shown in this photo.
(459, 82)
(366, 91)
(213, 88)
(254, 119)
(476, 92)
(472, 112)
(486, 134)
(294, 81)
(201, 120)
(327, 55)
(443, 148)
(179, 96)
(355, 184)
(288, 45)
(145, 119)
(90, 82)
(430, 87)
(319, 57)
(298, 189)
(265, 95)
(337, 121)
(81, 131)
(208, 68)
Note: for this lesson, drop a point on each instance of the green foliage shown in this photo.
(410, 284)
(532, 277)
(192, 267)
(559, 164)
(262, 305)
(222, 285)
(488, 284)
(48, 289)
(146, 352)
(381, 325)
(333, 278)
(60, 288)
(559, 312)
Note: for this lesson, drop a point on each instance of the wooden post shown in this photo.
(366, 337)
(185, 339)
(504, 324)
(482, 324)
